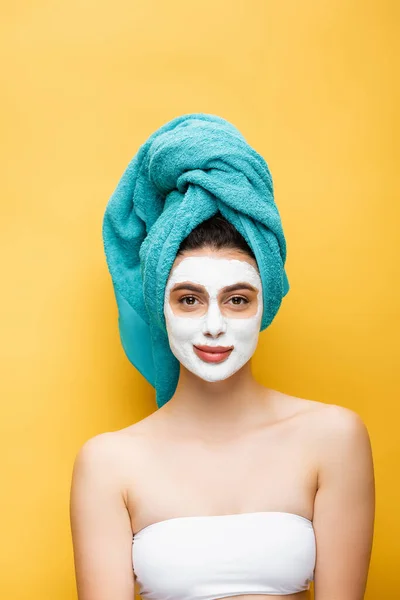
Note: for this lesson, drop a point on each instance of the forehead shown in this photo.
(213, 272)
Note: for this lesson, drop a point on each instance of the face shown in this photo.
(213, 309)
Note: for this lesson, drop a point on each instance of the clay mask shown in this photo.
(211, 320)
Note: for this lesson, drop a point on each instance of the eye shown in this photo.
(239, 300)
(188, 300)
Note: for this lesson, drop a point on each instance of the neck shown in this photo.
(222, 407)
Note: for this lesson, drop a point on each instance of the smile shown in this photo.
(213, 354)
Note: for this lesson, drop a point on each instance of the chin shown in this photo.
(213, 379)
(214, 373)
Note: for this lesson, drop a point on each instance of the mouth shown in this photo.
(213, 354)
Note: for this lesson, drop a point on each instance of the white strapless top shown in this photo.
(210, 557)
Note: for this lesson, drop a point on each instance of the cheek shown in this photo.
(245, 329)
(181, 328)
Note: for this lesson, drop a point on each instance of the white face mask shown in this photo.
(209, 324)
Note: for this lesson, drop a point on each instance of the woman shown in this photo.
(230, 489)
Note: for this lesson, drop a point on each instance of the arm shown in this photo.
(344, 507)
(100, 524)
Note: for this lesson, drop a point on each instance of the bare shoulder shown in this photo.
(328, 424)
(104, 456)
(101, 447)
(338, 439)
(337, 422)
(339, 434)
(332, 417)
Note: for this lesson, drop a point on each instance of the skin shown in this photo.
(207, 409)
(294, 455)
(202, 308)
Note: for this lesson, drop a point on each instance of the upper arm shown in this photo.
(100, 524)
(344, 507)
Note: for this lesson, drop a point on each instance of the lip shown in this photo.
(213, 354)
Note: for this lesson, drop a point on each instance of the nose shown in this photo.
(214, 323)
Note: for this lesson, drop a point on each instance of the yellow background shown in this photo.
(311, 85)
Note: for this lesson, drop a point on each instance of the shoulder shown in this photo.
(104, 458)
(341, 438)
(331, 428)
(110, 446)
(101, 447)
(330, 419)
(338, 423)
(332, 423)
(95, 457)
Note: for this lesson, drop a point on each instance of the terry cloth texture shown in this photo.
(188, 170)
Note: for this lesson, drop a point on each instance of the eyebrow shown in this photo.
(199, 288)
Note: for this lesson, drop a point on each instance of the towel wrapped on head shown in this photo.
(188, 170)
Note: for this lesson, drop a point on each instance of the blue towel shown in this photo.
(188, 170)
